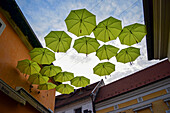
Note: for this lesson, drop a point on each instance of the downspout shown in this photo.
(93, 105)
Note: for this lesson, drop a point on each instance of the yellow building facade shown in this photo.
(150, 93)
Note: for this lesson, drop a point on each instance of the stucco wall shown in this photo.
(12, 50)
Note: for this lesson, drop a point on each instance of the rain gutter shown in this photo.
(32, 101)
(5, 88)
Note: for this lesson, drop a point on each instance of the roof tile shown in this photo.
(136, 80)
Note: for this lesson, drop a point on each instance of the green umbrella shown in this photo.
(108, 29)
(80, 22)
(105, 68)
(58, 41)
(106, 52)
(86, 45)
(63, 76)
(128, 55)
(64, 89)
(38, 79)
(132, 34)
(46, 86)
(42, 55)
(50, 71)
(80, 81)
(28, 67)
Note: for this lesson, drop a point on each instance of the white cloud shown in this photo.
(48, 15)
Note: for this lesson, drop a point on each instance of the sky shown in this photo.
(49, 15)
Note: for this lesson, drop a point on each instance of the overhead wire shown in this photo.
(72, 49)
(72, 66)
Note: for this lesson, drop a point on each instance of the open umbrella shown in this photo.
(132, 34)
(50, 71)
(38, 79)
(64, 89)
(80, 81)
(108, 29)
(105, 68)
(106, 52)
(86, 45)
(28, 67)
(42, 55)
(46, 86)
(80, 22)
(58, 41)
(128, 54)
(63, 76)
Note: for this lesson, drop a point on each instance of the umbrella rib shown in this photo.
(81, 46)
(101, 72)
(135, 38)
(92, 46)
(35, 68)
(124, 37)
(63, 46)
(73, 25)
(76, 15)
(111, 33)
(89, 22)
(106, 53)
(113, 23)
(89, 16)
(86, 28)
(36, 55)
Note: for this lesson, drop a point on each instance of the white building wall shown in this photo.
(84, 104)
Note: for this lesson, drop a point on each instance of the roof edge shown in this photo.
(17, 16)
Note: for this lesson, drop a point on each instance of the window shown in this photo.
(116, 107)
(140, 99)
(168, 90)
(78, 110)
(2, 26)
(85, 111)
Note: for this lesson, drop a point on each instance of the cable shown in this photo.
(96, 5)
(128, 8)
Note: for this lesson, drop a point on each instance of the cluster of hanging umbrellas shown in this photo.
(81, 22)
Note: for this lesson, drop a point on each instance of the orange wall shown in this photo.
(11, 51)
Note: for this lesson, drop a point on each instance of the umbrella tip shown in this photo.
(131, 63)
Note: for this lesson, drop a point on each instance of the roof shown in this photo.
(18, 17)
(137, 80)
(78, 94)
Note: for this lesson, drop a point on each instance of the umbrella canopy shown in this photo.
(132, 34)
(106, 52)
(63, 76)
(80, 81)
(86, 45)
(46, 86)
(42, 55)
(58, 41)
(128, 55)
(28, 67)
(50, 71)
(80, 22)
(64, 89)
(38, 79)
(108, 29)
(105, 68)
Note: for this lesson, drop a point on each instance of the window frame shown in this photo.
(2, 27)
